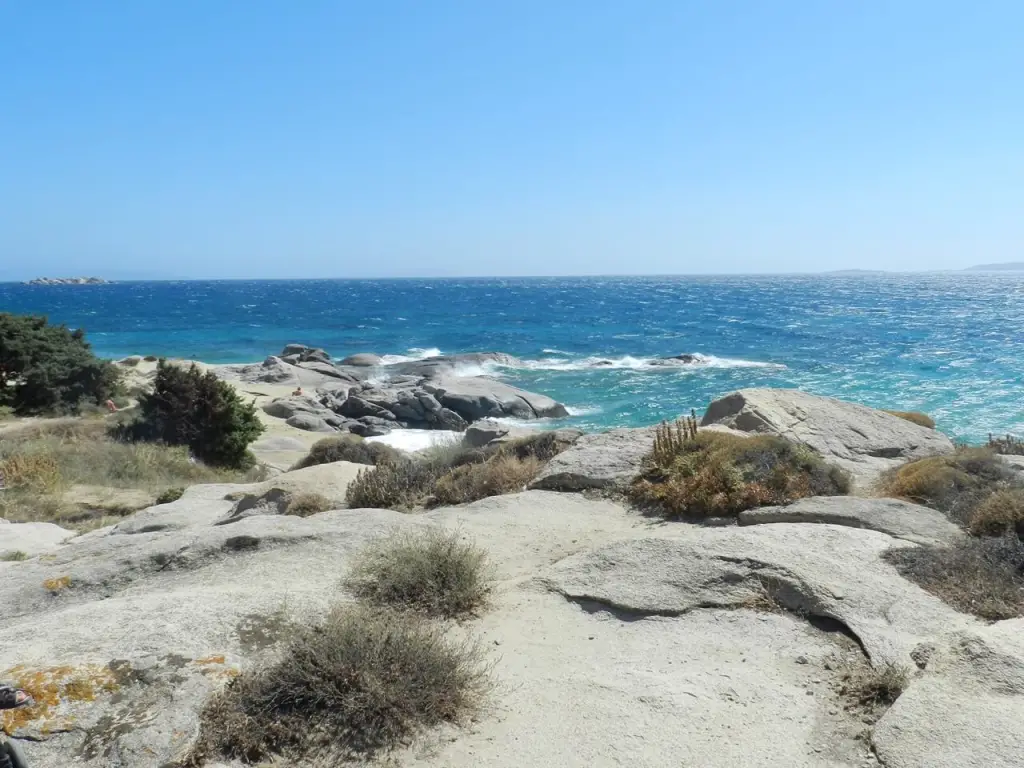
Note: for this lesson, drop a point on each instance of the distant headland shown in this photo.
(67, 281)
(1006, 266)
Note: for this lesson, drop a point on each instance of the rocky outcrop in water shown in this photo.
(362, 395)
(67, 281)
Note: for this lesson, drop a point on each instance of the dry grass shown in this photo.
(499, 475)
(955, 484)
(715, 474)
(15, 556)
(169, 495)
(1010, 445)
(984, 577)
(433, 572)
(916, 417)
(41, 461)
(870, 688)
(348, 448)
(453, 474)
(1002, 512)
(306, 504)
(361, 682)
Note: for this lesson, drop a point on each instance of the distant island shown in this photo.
(1006, 266)
(67, 281)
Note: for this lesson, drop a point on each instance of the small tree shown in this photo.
(189, 407)
(49, 368)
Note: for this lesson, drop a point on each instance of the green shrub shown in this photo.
(542, 446)
(306, 504)
(954, 484)
(715, 474)
(916, 417)
(431, 571)
(404, 485)
(169, 495)
(198, 410)
(984, 576)
(498, 475)
(13, 557)
(360, 682)
(49, 369)
(1002, 512)
(348, 448)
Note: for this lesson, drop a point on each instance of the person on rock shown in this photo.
(10, 754)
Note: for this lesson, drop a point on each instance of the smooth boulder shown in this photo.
(30, 539)
(601, 460)
(897, 518)
(862, 440)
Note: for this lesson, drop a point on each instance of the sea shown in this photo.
(948, 344)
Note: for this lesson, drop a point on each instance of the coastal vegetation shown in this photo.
(369, 675)
(41, 463)
(348, 448)
(983, 573)
(454, 474)
(50, 369)
(691, 474)
(360, 681)
(190, 408)
(433, 572)
(915, 417)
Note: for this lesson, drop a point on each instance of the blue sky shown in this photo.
(265, 138)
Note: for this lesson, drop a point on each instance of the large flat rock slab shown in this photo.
(826, 571)
(966, 710)
(897, 518)
(862, 440)
(30, 539)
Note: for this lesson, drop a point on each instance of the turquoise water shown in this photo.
(948, 344)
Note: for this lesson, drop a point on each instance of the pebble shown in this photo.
(801, 659)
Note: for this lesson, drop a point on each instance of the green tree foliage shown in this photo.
(49, 368)
(189, 407)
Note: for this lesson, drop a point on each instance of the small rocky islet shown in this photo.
(655, 642)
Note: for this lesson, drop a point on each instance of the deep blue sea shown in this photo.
(948, 344)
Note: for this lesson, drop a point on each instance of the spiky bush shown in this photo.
(715, 474)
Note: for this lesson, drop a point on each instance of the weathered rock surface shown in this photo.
(479, 397)
(309, 422)
(273, 496)
(967, 708)
(897, 518)
(362, 360)
(30, 538)
(862, 440)
(823, 571)
(634, 633)
(601, 460)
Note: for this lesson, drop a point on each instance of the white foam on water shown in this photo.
(630, 362)
(414, 353)
(413, 440)
(582, 410)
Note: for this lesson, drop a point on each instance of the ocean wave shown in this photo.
(413, 354)
(696, 361)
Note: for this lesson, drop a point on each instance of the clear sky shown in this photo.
(305, 138)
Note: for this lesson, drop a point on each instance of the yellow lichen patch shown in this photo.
(57, 584)
(204, 662)
(50, 687)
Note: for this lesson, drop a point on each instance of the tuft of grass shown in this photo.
(499, 475)
(306, 504)
(361, 682)
(916, 417)
(15, 556)
(873, 688)
(433, 572)
(955, 484)
(349, 448)
(984, 577)
(542, 446)
(1002, 512)
(169, 495)
(714, 474)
